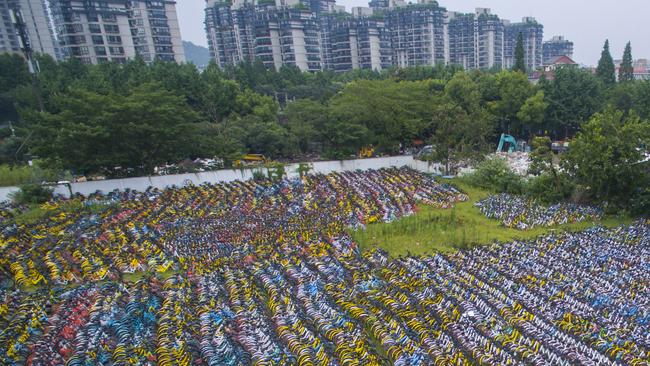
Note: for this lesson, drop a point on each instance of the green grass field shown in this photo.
(434, 230)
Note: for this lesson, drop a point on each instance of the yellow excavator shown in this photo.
(366, 152)
(250, 159)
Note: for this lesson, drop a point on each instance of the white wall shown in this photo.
(229, 175)
(5, 193)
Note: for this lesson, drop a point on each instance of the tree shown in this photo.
(604, 158)
(531, 113)
(219, 94)
(641, 99)
(306, 120)
(513, 90)
(459, 135)
(626, 70)
(15, 80)
(541, 156)
(520, 59)
(573, 97)
(606, 70)
(393, 112)
(94, 133)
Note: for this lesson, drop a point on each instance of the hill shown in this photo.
(198, 55)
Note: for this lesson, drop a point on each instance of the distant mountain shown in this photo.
(198, 55)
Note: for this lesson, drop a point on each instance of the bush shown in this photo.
(494, 174)
(549, 189)
(640, 203)
(17, 175)
(32, 193)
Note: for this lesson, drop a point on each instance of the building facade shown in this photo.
(490, 40)
(533, 34)
(288, 36)
(557, 46)
(461, 40)
(155, 30)
(387, 34)
(117, 30)
(29, 17)
(417, 34)
(230, 33)
(475, 41)
(360, 43)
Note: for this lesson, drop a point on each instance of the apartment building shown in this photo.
(461, 39)
(230, 33)
(417, 34)
(319, 35)
(360, 43)
(155, 30)
(555, 47)
(490, 37)
(117, 30)
(533, 34)
(288, 36)
(26, 20)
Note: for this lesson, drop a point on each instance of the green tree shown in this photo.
(94, 133)
(459, 135)
(462, 91)
(513, 90)
(626, 70)
(531, 113)
(306, 120)
(393, 112)
(549, 185)
(15, 80)
(573, 97)
(641, 99)
(606, 70)
(219, 96)
(604, 157)
(520, 59)
(541, 156)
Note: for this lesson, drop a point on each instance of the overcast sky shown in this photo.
(585, 22)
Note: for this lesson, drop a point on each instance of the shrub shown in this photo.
(17, 175)
(494, 174)
(549, 188)
(32, 193)
(258, 175)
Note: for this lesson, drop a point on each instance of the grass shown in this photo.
(434, 230)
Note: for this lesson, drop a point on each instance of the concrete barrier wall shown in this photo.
(229, 175)
(5, 193)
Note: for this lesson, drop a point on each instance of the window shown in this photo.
(111, 28)
(98, 40)
(100, 51)
(78, 51)
(109, 18)
(114, 39)
(74, 28)
(94, 28)
(116, 50)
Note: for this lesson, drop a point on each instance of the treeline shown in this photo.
(94, 119)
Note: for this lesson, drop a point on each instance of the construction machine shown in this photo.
(513, 144)
(250, 159)
(366, 152)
